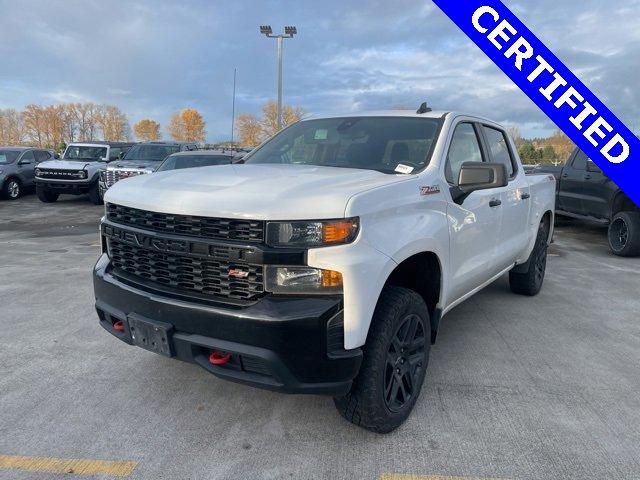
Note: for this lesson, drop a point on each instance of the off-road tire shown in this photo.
(45, 195)
(624, 234)
(365, 405)
(530, 282)
(12, 189)
(94, 195)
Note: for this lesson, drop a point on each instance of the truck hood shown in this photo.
(134, 164)
(67, 165)
(259, 192)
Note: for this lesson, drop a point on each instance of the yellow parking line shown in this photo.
(67, 465)
(396, 476)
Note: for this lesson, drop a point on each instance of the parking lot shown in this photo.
(518, 388)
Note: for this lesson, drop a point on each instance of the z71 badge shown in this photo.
(430, 190)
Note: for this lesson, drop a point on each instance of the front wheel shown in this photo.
(12, 189)
(529, 282)
(45, 195)
(94, 195)
(624, 234)
(395, 361)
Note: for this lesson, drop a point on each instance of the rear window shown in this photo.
(177, 162)
(153, 153)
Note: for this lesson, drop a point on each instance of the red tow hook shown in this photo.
(219, 358)
(118, 326)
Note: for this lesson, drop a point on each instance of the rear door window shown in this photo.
(499, 149)
(580, 162)
(42, 155)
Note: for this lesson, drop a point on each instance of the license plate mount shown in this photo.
(151, 335)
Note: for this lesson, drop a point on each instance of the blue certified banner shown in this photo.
(552, 86)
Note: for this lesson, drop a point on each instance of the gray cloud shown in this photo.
(152, 57)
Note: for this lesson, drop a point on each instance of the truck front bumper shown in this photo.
(286, 344)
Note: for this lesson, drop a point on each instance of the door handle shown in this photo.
(587, 177)
(525, 196)
(565, 175)
(495, 203)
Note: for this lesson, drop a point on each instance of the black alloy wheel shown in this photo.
(404, 363)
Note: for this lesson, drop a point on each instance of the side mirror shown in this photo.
(121, 155)
(478, 176)
(592, 167)
(104, 159)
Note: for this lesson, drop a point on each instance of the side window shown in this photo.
(42, 156)
(28, 157)
(499, 147)
(114, 153)
(464, 147)
(580, 162)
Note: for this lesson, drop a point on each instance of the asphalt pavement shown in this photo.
(517, 388)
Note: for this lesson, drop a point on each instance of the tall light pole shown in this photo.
(233, 108)
(289, 32)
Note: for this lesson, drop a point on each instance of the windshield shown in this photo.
(385, 144)
(84, 154)
(8, 156)
(177, 162)
(151, 153)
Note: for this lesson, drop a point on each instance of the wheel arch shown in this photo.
(422, 272)
(622, 203)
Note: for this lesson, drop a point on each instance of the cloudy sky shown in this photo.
(153, 57)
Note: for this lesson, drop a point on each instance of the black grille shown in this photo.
(202, 227)
(61, 174)
(205, 276)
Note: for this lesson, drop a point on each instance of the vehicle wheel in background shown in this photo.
(94, 195)
(45, 195)
(12, 189)
(529, 282)
(395, 361)
(624, 234)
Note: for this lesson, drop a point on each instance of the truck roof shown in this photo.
(437, 114)
(101, 144)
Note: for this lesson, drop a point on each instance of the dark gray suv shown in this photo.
(17, 169)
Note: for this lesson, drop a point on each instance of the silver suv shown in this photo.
(78, 171)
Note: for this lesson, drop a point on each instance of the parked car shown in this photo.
(586, 193)
(200, 158)
(17, 169)
(78, 171)
(141, 159)
(325, 262)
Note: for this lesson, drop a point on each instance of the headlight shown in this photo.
(81, 174)
(38, 172)
(302, 280)
(312, 233)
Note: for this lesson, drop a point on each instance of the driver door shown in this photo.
(27, 167)
(474, 226)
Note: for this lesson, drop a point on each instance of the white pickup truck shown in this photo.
(325, 262)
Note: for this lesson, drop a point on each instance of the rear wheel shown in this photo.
(45, 195)
(529, 282)
(94, 195)
(394, 365)
(624, 234)
(12, 189)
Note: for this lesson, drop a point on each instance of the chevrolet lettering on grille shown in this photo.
(172, 245)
